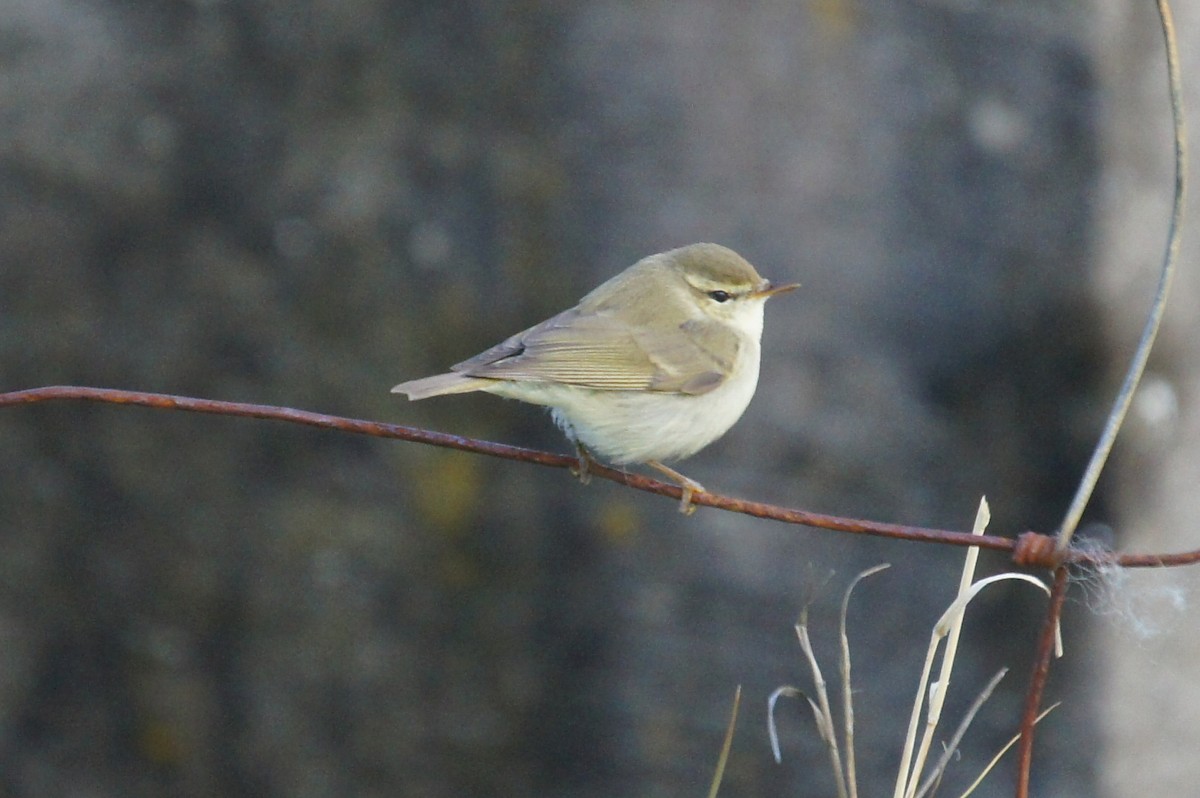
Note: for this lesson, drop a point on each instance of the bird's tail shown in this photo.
(440, 384)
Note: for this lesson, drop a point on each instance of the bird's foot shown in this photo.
(688, 487)
(582, 470)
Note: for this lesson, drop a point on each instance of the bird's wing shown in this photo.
(599, 350)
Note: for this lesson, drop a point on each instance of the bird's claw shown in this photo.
(582, 468)
(688, 488)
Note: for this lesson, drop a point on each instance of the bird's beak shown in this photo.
(769, 289)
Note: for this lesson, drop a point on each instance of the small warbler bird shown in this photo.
(652, 365)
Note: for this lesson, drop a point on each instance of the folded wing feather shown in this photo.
(601, 351)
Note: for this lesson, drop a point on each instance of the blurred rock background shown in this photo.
(304, 203)
(1148, 648)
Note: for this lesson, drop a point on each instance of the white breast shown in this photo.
(634, 426)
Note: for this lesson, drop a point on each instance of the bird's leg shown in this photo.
(582, 470)
(690, 487)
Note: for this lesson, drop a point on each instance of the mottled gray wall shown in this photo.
(304, 203)
(1149, 648)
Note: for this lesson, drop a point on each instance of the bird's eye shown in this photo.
(720, 296)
